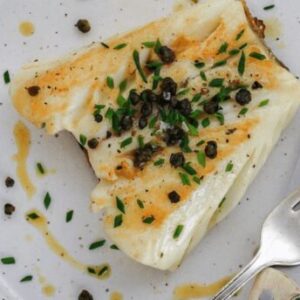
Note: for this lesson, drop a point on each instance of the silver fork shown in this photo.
(280, 244)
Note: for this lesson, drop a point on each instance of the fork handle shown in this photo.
(253, 268)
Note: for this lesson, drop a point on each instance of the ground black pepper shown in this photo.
(85, 295)
(83, 25)
(9, 182)
(174, 197)
(33, 90)
(9, 209)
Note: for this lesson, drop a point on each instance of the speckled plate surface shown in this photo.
(229, 246)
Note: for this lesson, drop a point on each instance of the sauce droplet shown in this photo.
(191, 291)
(116, 296)
(26, 28)
(48, 290)
(22, 138)
(40, 222)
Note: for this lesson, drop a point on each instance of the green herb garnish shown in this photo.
(201, 157)
(8, 260)
(220, 118)
(223, 48)
(197, 179)
(240, 34)
(47, 200)
(120, 205)
(196, 97)
(243, 111)
(120, 46)
(234, 52)
(104, 45)
(159, 162)
(183, 92)
(97, 244)
(122, 86)
(269, 7)
(220, 63)
(69, 216)
(40, 168)
(241, 65)
(148, 220)
(189, 169)
(6, 77)
(203, 76)
(83, 140)
(126, 142)
(110, 82)
(193, 131)
(205, 122)
(118, 220)
(178, 231)
(152, 122)
(114, 247)
(140, 139)
(243, 46)
(217, 82)
(184, 179)
(149, 44)
(257, 55)
(140, 203)
(136, 59)
(199, 64)
(121, 100)
(222, 202)
(26, 278)
(103, 270)
(263, 103)
(229, 167)
(33, 216)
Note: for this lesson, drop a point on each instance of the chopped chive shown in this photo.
(6, 77)
(97, 244)
(33, 216)
(91, 270)
(243, 111)
(69, 216)
(140, 203)
(193, 131)
(152, 122)
(149, 44)
(234, 52)
(156, 78)
(222, 202)
(123, 85)
(196, 97)
(220, 118)
(203, 76)
(141, 141)
(103, 270)
(121, 100)
(40, 168)
(201, 158)
(120, 46)
(118, 220)
(189, 169)
(126, 142)
(263, 103)
(199, 64)
(240, 34)
(220, 63)
(159, 162)
(197, 179)
(26, 278)
(269, 7)
(47, 200)
(99, 107)
(178, 231)
(196, 113)
(205, 122)
(157, 46)
(109, 113)
(229, 167)
(110, 82)
(183, 92)
(257, 55)
(243, 46)
(217, 82)
(184, 179)
(241, 65)
(223, 48)
(82, 139)
(104, 45)
(120, 205)
(200, 143)
(8, 260)
(148, 220)
(114, 247)
(136, 58)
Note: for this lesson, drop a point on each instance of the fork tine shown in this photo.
(291, 201)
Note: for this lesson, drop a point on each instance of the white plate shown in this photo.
(222, 252)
